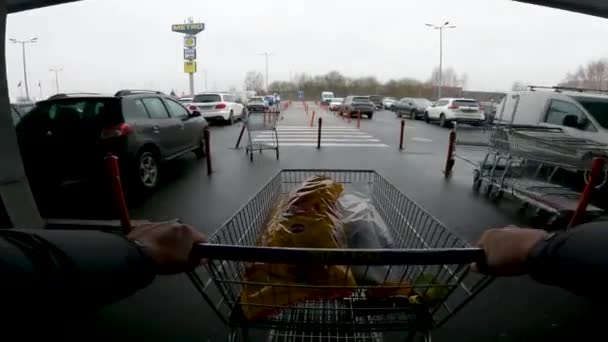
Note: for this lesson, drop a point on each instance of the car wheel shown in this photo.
(369, 116)
(147, 170)
(231, 118)
(426, 117)
(200, 150)
(442, 121)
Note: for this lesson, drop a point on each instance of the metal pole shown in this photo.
(191, 79)
(57, 80)
(266, 72)
(27, 90)
(440, 60)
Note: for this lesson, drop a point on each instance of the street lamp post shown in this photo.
(23, 42)
(440, 28)
(56, 71)
(266, 54)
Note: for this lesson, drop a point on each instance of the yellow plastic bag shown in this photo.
(307, 218)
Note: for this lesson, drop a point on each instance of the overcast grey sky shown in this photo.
(105, 45)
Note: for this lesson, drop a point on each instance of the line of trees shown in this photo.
(593, 75)
(341, 85)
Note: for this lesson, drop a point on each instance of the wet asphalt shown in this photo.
(513, 309)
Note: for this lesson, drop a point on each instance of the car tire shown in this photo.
(442, 121)
(200, 150)
(369, 116)
(426, 117)
(147, 170)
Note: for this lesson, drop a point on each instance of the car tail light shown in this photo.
(220, 106)
(120, 130)
(452, 107)
(192, 107)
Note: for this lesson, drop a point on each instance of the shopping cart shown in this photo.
(262, 133)
(426, 255)
(523, 161)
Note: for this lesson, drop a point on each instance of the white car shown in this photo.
(335, 103)
(387, 102)
(218, 106)
(449, 110)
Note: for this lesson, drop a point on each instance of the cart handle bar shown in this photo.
(334, 256)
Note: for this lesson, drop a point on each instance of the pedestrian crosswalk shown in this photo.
(335, 136)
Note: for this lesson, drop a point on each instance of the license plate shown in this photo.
(205, 107)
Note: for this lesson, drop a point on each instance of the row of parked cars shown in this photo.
(353, 105)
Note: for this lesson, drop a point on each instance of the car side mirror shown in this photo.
(571, 121)
(195, 114)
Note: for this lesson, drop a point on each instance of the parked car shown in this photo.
(64, 139)
(335, 103)
(460, 110)
(377, 101)
(414, 107)
(218, 107)
(387, 102)
(489, 110)
(326, 96)
(269, 99)
(580, 113)
(256, 104)
(352, 105)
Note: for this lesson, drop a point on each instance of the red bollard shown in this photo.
(207, 136)
(449, 162)
(312, 119)
(596, 170)
(401, 135)
(319, 134)
(359, 119)
(348, 115)
(113, 170)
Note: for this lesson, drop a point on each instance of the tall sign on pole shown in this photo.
(190, 30)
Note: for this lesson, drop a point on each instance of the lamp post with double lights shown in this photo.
(23, 42)
(445, 25)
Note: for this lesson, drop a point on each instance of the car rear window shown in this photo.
(78, 110)
(205, 98)
(360, 99)
(465, 103)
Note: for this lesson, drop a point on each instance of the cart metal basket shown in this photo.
(426, 257)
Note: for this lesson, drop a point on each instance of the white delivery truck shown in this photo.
(326, 96)
(581, 113)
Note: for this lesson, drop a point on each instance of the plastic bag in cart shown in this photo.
(365, 229)
(310, 218)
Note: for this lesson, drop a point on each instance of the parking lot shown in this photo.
(510, 309)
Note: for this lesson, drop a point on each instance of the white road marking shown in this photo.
(421, 139)
(315, 139)
(333, 145)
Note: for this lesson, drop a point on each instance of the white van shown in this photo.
(580, 113)
(326, 96)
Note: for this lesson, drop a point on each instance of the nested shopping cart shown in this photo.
(425, 257)
(262, 132)
(523, 161)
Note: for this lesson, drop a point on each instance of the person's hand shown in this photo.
(507, 250)
(169, 245)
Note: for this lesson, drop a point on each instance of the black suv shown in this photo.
(65, 138)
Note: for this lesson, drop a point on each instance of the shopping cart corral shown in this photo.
(265, 124)
(523, 161)
(426, 260)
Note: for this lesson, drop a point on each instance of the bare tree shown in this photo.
(254, 80)
(594, 75)
(449, 78)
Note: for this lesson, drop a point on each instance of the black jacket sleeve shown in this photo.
(576, 260)
(62, 269)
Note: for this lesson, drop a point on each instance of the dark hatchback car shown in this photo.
(64, 139)
(414, 107)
